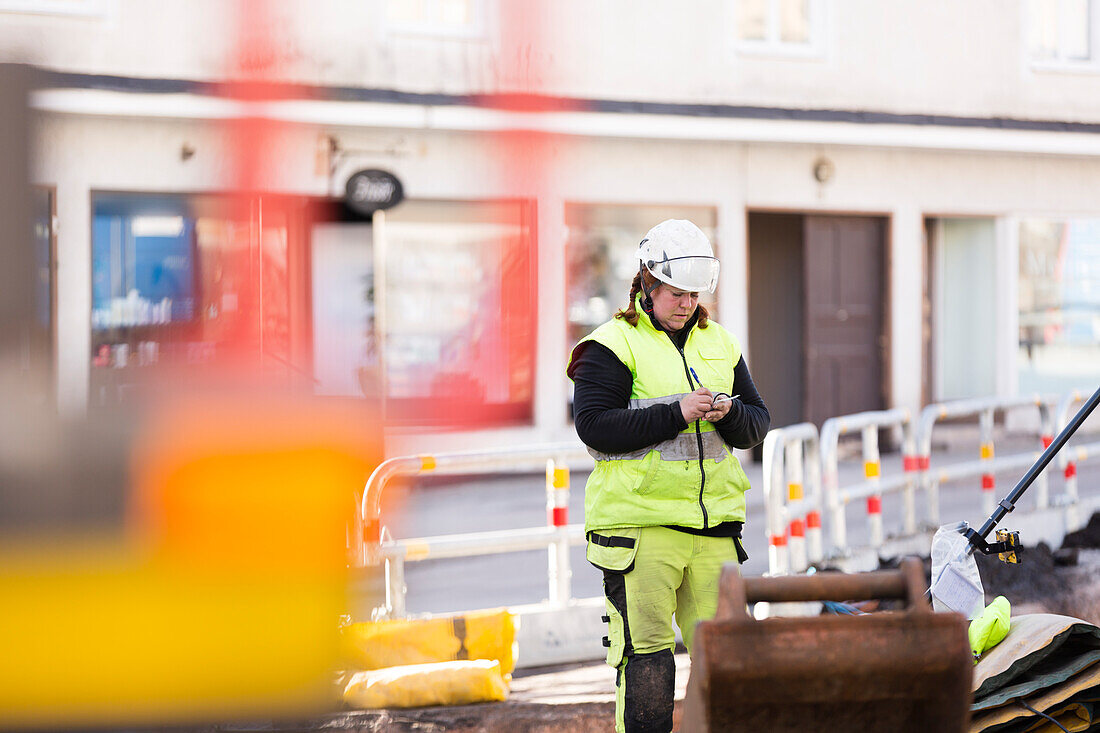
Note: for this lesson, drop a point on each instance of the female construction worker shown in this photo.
(662, 394)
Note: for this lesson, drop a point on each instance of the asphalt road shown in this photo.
(442, 506)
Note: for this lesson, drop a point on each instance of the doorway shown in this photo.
(817, 314)
(960, 317)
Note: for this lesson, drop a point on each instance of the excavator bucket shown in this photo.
(892, 671)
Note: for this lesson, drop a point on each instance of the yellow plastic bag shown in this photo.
(990, 627)
(419, 685)
(473, 635)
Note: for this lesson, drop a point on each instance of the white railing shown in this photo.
(874, 485)
(372, 544)
(792, 497)
(801, 482)
(790, 453)
(987, 465)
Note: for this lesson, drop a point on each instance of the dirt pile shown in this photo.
(1065, 581)
(1037, 578)
(1089, 537)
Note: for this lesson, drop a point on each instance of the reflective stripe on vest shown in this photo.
(684, 447)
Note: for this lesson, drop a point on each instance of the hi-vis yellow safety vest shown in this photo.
(692, 480)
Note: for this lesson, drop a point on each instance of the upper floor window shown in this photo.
(55, 7)
(779, 26)
(436, 17)
(1063, 32)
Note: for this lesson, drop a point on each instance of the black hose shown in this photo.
(1052, 720)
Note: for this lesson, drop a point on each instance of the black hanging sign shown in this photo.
(373, 190)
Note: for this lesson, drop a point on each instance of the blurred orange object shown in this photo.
(247, 485)
(224, 599)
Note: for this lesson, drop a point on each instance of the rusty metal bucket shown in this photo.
(891, 671)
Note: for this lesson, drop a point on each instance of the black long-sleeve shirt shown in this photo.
(602, 397)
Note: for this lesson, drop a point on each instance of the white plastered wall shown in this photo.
(79, 154)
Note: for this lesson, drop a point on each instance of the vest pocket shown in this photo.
(613, 550)
(647, 472)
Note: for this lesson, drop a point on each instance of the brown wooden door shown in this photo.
(844, 338)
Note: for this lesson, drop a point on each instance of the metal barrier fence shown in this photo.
(874, 485)
(801, 481)
(987, 464)
(786, 450)
(792, 497)
(373, 545)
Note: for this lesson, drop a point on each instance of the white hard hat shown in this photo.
(678, 253)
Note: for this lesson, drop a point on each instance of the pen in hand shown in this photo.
(699, 383)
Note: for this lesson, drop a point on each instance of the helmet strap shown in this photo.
(648, 302)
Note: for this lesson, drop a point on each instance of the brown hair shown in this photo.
(630, 313)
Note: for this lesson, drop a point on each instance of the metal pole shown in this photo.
(395, 587)
(830, 435)
(1009, 502)
(557, 508)
(813, 487)
(872, 470)
(985, 423)
(773, 501)
(910, 466)
(1046, 418)
(796, 540)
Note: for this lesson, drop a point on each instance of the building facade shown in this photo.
(902, 195)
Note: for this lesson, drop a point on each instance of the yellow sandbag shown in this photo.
(374, 645)
(419, 685)
(473, 635)
(492, 635)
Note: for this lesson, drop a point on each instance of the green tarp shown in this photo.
(1048, 662)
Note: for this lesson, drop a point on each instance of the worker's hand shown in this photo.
(718, 411)
(696, 404)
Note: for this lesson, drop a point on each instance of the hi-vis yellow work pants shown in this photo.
(652, 575)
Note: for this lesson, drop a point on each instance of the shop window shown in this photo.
(144, 270)
(1063, 32)
(601, 258)
(778, 26)
(453, 338)
(188, 281)
(1059, 304)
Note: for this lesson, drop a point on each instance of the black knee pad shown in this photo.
(650, 691)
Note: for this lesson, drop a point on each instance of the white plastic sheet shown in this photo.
(956, 584)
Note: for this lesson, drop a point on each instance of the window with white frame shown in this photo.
(1063, 32)
(435, 17)
(1059, 302)
(90, 8)
(778, 26)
